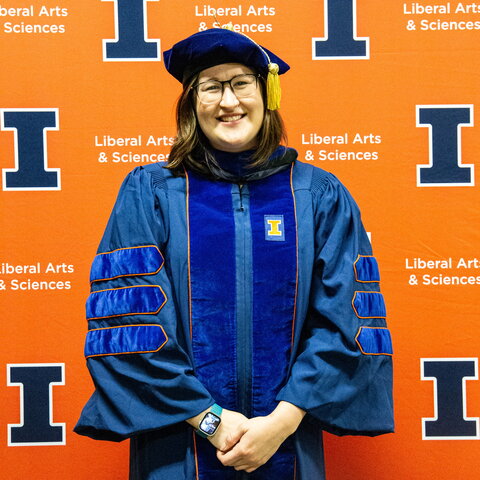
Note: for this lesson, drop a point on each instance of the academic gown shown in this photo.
(241, 294)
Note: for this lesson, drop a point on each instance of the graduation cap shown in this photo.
(215, 46)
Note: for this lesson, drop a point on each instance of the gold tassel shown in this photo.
(274, 92)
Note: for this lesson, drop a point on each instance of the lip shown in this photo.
(231, 118)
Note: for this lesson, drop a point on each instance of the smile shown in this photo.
(231, 118)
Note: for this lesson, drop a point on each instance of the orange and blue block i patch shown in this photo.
(274, 228)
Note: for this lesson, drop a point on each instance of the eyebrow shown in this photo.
(218, 80)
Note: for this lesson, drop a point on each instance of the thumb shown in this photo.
(234, 437)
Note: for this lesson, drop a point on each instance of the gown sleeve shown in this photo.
(342, 375)
(135, 346)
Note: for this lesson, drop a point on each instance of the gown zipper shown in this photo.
(243, 256)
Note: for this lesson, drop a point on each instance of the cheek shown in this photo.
(203, 117)
(259, 111)
(258, 118)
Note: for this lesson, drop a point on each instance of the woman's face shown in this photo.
(231, 124)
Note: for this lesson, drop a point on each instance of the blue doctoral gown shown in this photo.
(243, 295)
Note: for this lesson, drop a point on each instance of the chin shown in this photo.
(234, 146)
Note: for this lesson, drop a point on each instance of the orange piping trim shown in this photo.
(356, 273)
(195, 454)
(355, 310)
(360, 347)
(134, 313)
(129, 248)
(296, 254)
(187, 185)
(126, 353)
(187, 197)
(130, 274)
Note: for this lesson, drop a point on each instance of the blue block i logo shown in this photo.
(274, 228)
(131, 42)
(445, 168)
(340, 41)
(30, 127)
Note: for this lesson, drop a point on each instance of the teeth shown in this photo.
(232, 118)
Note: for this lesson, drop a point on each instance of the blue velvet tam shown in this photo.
(215, 46)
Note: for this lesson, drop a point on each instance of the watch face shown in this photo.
(210, 423)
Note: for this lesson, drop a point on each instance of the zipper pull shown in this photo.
(240, 187)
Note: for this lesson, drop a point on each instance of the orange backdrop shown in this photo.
(370, 116)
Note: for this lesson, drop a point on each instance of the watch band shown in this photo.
(216, 409)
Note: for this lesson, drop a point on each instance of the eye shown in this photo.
(210, 87)
(242, 81)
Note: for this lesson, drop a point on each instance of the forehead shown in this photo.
(224, 71)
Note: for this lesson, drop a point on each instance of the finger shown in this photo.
(230, 442)
(237, 433)
(234, 437)
(224, 457)
(231, 458)
(249, 467)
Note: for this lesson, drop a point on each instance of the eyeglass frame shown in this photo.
(222, 83)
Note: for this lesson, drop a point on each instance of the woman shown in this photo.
(235, 310)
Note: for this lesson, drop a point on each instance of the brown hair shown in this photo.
(191, 147)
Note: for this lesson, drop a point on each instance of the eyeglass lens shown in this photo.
(211, 91)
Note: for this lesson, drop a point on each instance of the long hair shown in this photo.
(191, 148)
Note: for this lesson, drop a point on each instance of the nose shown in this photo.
(229, 99)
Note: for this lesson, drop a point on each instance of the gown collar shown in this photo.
(233, 167)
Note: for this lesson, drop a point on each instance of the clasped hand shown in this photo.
(246, 444)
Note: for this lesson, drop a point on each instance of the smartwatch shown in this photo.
(209, 424)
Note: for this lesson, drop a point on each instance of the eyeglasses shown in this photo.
(211, 91)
